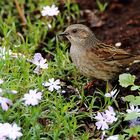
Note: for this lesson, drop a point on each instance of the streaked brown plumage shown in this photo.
(93, 58)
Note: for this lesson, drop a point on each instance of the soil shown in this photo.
(121, 23)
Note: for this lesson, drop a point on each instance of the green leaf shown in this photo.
(101, 6)
(131, 116)
(136, 101)
(126, 79)
(133, 131)
(129, 98)
(134, 87)
(122, 137)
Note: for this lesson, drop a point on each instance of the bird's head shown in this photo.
(78, 34)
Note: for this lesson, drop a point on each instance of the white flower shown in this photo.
(133, 109)
(14, 132)
(4, 52)
(32, 98)
(101, 121)
(13, 91)
(118, 44)
(114, 137)
(9, 131)
(50, 11)
(110, 115)
(40, 62)
(52, 85)
(4, 130)
(1, 81)
(49, 25)
(2, 138)
(63, 91)
(111, 94)
(105, 118)
(4, 102)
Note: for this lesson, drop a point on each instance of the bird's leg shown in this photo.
(90, 84)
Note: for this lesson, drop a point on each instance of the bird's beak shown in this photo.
(63, 34)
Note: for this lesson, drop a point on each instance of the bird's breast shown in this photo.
(76, 55)
(80, 59)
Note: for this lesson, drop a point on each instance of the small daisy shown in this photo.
(50, 11)
(32, 98)
(52, 84)
(5, 102)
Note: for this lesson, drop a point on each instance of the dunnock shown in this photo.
(93, 58)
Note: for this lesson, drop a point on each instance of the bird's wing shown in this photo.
(110, 53)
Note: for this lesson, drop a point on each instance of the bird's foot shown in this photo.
(89, 85)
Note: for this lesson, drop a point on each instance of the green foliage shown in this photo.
(17, 72)
(102, 6)
(135, 100)
(131, 116)
(133, 131)
(127, 79)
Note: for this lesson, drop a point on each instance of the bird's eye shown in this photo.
(74, 30)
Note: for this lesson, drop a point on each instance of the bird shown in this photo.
(92, 57)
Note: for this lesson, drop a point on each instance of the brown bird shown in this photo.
(93, 58)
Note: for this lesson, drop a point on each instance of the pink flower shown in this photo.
(101, 121)
(40, 62)
(5, 102)
(110, 115)
(105, 118)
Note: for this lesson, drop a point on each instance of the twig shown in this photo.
(20, 12)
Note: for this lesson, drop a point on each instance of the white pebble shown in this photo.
(118, 44)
